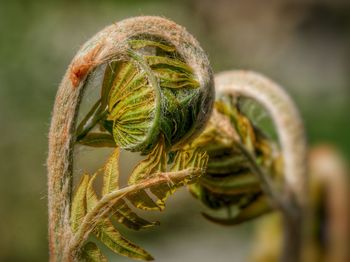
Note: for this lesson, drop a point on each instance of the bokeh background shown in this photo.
(303, 45)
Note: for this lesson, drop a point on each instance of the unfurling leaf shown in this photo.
(91, 253)
(109, 235)
(79, 204)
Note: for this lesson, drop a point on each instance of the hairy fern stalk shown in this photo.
(156, 98)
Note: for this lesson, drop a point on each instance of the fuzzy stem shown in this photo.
(293, 145)
(108, 44)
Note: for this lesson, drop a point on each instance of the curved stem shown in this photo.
(108, 44)
(293, 145)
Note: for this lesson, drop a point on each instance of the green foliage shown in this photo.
(87, 202)
(231, 181)
(149, 94)
(79, 204)
(91, 253)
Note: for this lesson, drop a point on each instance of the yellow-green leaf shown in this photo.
(91, 253)
(190, 158)
(78, 204)
(171, 78)
(153, 164)
(143, 201)
(194, 160)
(108, 235)
(125, 216)
(98, 140)
(111, 173)
(91, 197)
(156, 61)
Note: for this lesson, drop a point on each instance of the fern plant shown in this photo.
(156, 98)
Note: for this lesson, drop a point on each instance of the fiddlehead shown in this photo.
(246, 160)
(156, 95)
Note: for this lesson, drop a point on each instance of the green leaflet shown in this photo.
(78, 209)
(253, 210)
(98, 140)
(143, 201)
(194, 160)
(130, 219)
(91, 253)
(111, 173)
(162, 61)
(154, 163)
(109, 235)
(171, 78)
(190, 158)
(122, 212)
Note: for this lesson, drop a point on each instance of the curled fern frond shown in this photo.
(150, 91)
(237, 151)
(156, 95)
(237, 147)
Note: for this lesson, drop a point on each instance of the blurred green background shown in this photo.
(303, 45)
